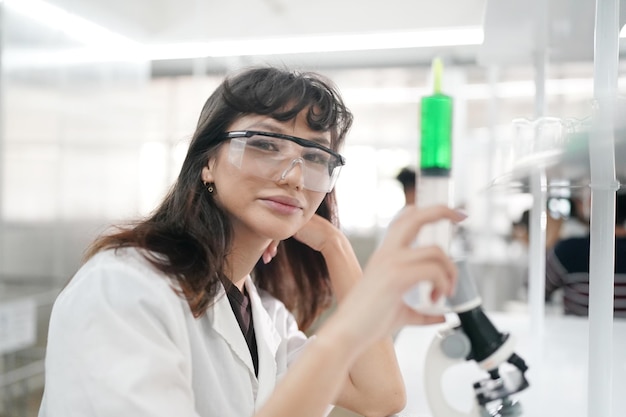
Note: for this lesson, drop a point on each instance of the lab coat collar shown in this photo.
(225, 324)
(268, 341)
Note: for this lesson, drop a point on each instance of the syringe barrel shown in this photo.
(432, 190)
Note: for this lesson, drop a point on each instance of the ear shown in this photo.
(207, 175)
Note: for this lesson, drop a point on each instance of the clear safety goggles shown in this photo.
(273, 156)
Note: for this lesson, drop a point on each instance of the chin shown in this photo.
(278, 228)
(277, 235)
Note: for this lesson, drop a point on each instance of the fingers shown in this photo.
(270, 251)
(407, 266)
(316, 232)
(428, 264)
(410, 220)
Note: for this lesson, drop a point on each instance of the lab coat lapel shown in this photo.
(225, 324)
(268, 340)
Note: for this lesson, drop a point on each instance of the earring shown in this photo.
(209, 187)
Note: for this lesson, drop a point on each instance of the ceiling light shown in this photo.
(93, 35)
(76, 27)
(454, 36)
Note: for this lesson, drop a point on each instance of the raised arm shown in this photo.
(374, 384)
(352, 362)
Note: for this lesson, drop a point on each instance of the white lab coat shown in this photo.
(123, 343)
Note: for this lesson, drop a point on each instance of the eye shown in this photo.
(264, 144)
(318, 157)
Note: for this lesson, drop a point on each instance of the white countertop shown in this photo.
(557, 367)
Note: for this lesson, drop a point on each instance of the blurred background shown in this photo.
(98, 99)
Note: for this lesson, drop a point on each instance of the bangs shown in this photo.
(282, 95)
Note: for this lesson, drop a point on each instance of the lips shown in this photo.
(287, 201)
(284, 206)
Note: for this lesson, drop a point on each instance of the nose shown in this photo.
(294, 176)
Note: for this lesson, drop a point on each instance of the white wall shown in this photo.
(83, 151)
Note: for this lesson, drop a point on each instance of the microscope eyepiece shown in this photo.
(484, 337)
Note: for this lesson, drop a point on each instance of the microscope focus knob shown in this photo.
(456, 345)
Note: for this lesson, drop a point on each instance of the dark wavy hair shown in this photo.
(188, 236)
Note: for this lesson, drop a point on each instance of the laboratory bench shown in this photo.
(25, 306)
(556, 353)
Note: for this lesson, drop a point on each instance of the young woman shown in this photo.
(199, 309)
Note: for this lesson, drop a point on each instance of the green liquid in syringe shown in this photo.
(436, 135)
(436, 128)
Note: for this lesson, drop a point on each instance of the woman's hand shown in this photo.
(343, 266)
(317, 232)
(375, 307)
(270, 251)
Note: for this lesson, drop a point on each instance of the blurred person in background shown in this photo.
(199, 309)
(567, 268)
(577, 221)
(560, 224)
(565, 217)
(406, 177)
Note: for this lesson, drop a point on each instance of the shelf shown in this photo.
(558, 148)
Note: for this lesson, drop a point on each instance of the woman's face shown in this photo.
(259, 207)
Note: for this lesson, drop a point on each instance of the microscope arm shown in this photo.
(449, 347)
(475, 339)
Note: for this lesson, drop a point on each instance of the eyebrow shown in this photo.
(278, 129)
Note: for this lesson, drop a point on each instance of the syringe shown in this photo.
(434, 185)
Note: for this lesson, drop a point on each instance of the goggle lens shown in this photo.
(273, 158)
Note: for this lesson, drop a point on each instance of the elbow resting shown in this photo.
(392, 403)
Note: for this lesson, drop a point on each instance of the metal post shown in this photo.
(603, 186)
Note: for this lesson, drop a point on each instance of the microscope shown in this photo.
(474, 338)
